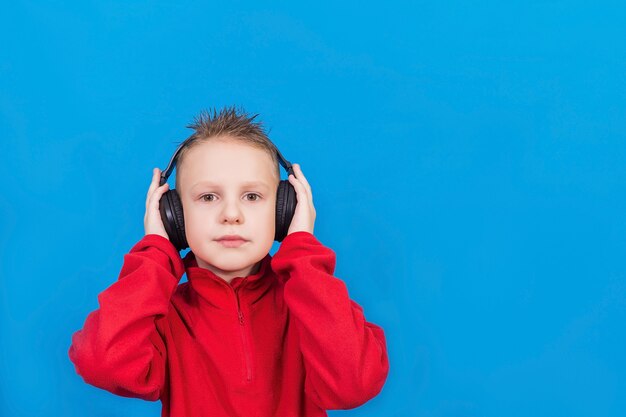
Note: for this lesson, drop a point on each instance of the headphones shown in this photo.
(171, 207)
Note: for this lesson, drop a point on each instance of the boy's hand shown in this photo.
(152, 222)
(304, 216)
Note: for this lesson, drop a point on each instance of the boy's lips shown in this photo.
(231, 241)
(230, 237)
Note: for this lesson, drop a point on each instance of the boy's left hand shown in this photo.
(304, 216)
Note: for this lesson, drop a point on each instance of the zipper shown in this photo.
(244, 339)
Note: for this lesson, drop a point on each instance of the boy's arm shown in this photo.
(345, 356)
(119, 348)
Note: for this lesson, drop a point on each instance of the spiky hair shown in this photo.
(232, 123)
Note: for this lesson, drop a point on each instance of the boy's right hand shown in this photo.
(152, 222)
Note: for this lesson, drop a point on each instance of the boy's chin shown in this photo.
(227, 262)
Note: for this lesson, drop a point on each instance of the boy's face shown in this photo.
(217, 201)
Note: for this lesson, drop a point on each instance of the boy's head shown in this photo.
(227, 178)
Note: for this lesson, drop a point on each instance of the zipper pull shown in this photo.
(240, 318)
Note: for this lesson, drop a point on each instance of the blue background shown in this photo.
(467, 163)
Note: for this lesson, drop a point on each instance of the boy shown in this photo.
(249, 334)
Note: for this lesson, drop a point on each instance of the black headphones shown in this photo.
(171, 207)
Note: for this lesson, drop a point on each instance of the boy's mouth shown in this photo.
(231, 241)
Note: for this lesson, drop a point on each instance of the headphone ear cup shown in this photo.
(285, 208)
(171, 209)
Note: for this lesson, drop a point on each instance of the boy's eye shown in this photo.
(211, 197)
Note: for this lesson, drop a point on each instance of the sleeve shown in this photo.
(345, 357)
(119, 348)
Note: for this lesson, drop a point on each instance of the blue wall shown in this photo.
(468, 165)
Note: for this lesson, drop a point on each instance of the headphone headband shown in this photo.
(170, 167)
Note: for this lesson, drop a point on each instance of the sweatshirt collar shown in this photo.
(221, 294)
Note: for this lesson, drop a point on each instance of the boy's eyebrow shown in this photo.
(243, 184)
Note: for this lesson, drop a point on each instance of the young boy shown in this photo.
(249, 334)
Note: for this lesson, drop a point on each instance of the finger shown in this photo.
(155, 180)
(302, 178)
(157, 194)
(297, 185)
(154, 183)
(304, 182)
(155, 198)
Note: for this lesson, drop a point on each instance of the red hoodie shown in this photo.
(286, 341)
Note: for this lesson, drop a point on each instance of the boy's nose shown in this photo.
(232, 213)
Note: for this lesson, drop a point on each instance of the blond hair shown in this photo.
(229, 124)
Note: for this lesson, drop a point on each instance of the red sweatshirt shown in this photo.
(286, 341)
